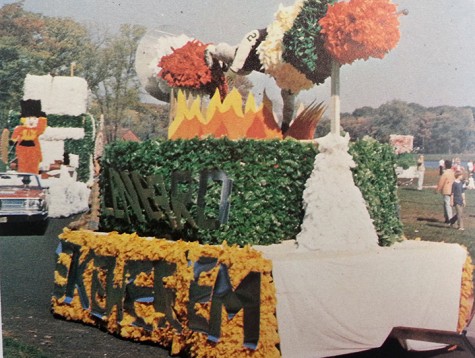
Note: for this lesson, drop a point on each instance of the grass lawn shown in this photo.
(15, 349)
(422, 214)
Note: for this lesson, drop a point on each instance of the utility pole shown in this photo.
(335, 97)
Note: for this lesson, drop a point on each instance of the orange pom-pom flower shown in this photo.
(185, 68)
(360, 29)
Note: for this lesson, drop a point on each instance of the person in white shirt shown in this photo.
(420, 171)
(441, 166)
(470, 167)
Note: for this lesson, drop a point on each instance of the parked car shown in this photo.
(23, 200)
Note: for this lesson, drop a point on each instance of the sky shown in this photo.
(432, 65)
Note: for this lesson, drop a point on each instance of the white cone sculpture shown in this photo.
(336, 217)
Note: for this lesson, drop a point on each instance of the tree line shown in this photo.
(441, 129)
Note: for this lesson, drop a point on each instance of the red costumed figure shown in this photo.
(25, 136)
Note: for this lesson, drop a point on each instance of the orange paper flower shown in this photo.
(185, 67)
(360, 29)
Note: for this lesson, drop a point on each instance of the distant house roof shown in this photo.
(128, 135)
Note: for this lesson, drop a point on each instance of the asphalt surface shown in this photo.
(26, 278)
(27, 264)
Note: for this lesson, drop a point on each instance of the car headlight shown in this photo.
(33, 203)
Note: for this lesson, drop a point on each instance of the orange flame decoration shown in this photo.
(224, 119)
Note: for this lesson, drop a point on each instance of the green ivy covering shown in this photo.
(83, 147)
(268, 181)
(377, 180)
(303, 44)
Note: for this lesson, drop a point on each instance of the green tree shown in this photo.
(14, 65)
(453, 130)
(148, 121)
(64, 42)
(323, 127)
(35, 44)
(18, 31)
(424, 131)
(363, 112)
(357, 126)
(442, 129)
(112, 78)
(394, 117)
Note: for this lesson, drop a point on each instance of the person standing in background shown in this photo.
(470, 167)
(457, 165)
(441, 167)
(420, 171)
(458, 199)
(470, 179)
(444, 187)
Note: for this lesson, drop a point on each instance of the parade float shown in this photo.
(59, 145)
(204, 246)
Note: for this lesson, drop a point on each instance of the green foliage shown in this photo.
(376, 178)
(14, 66)
(83, 147)
(267, 188)
(394, 117)
(148, 121)
(303, 44)
(35, 44)
(15, 348)
(405, 160)
(110, 73)
(39, 45)
(442, 129)
(268, 182)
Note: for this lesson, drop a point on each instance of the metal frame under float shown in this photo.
(450, 338)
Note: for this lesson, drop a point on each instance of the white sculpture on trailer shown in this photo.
(336, 217)
(59, 95)
(62, 96)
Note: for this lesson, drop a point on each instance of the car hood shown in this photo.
(18, 193)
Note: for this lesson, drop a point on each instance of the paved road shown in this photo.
(26, 274)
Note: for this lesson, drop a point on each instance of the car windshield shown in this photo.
(19, 180)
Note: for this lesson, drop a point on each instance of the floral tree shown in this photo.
(309, 39)
(358, 29)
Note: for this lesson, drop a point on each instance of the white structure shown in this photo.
(58, 94)
(336, 217)
(52, 143)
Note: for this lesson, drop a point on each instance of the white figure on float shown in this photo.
(336, 217)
